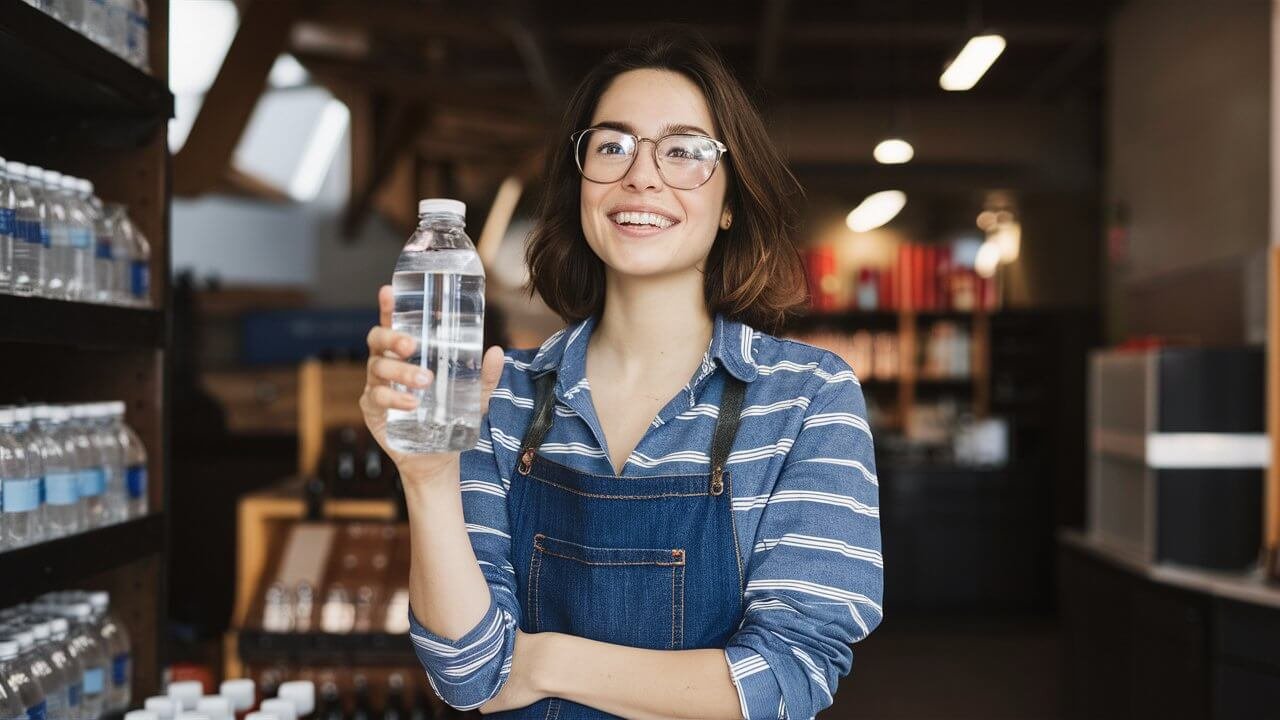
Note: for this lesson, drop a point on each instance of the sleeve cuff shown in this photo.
(758, 691)
(488, 630)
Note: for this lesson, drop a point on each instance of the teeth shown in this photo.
(642, 218)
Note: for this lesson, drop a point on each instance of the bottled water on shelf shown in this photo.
(134, 455)
(92, 473)
(110, 457)
(34, 657)
(104, 290)
(41, 227)
(439, 300)
(8, 228)
(115, 641)
(80, 232)
(87, 649)
(62, 511)
(28, 252)
(120, 26)
(62, 283)
(19, 681)
(21, 470)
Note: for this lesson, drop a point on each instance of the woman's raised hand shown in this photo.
(388, 351)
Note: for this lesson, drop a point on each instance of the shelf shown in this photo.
(60, 564)
(354, 649)
(60, 74)
(57, 322)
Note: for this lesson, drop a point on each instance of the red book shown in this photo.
(944, 277)
(917, 277)
(901, 274)
(931, 277)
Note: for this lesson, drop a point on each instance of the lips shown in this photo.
(642, 219)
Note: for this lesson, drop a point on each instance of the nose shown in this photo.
(643, 174)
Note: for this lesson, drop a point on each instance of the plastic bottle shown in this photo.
(106, 443)
(10, 707)
(28, 252)
(131, 254)
(141, 715)
(35, 183)
(134, 457)
(115, 640)
(302, 693)
(62, 512)
(93, 475)
(163, 706)
(439, 299)
(139, 38)
(36, 660)
(215, 706)
(21, 470)
(73, 670)
(20, 683)
(186, 693)
(53, 216)
(8, 228)
(80, 235)
(140, 269)
(104, 290)
(85, 647)
(281, 709)
(242, 694)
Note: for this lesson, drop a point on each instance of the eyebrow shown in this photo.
(668, 129)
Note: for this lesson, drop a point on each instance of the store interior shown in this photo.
(1055, 278)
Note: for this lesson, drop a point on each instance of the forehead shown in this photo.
(649, 100)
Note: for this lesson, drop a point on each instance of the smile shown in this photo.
(642, 219)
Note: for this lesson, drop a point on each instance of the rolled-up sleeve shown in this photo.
(466, 672)
(815, 578)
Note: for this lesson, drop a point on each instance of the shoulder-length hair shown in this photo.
(754, 272)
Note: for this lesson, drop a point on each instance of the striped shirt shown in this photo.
(806, 510)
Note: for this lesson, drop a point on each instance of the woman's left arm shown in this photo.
(814, 586)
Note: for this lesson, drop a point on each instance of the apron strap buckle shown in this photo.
(717, 480)
(526, 461)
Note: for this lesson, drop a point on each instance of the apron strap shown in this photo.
(726, 429)
(543, 405)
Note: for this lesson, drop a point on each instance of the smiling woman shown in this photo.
(669, 512)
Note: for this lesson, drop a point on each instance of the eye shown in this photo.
(611, 148)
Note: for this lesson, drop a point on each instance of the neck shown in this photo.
(649, 323)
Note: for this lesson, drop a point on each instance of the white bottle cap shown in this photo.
(22, 414)
(442, 205)
(41, 630)
(59, 414)
(6, 416)
(302, 693)
(59, 626)
(17, 168)
(216, 706)
(117, 408)
(82, 611)
(41, 412)
(257, 715)
(193, 715)
(70, 183)
(164, 707)
(141, 715)
(8, 649)
(52, 178)
(186, 693)
(282, 709)
(100, 600)
(240, 692)
(25, 639)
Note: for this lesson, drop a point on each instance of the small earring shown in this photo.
(726, 220)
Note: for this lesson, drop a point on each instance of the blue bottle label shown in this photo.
(120, 669)
(141, 284)
(27, 231)
(8, 222)
(62, 488)
(92, 482)
(93, 679)
(136, 481)
(73, 695)
(21, 494)
(45, 239)
(80, 238)
(37, 712)
(103, 248)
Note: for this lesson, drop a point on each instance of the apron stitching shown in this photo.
(607, 564)
(737, 551)
(614, 497)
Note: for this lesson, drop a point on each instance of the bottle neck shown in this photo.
(441, 218)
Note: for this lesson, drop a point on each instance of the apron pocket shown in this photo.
(625, 596)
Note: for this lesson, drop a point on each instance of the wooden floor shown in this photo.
(922, 668)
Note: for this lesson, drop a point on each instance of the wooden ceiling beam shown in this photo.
(204, 159)
(402, 123)
(861, 34)
(402, 17)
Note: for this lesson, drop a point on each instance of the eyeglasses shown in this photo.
(684, 161)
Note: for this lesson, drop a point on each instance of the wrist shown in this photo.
(548, 657)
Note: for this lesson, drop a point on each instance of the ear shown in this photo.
(726, 218)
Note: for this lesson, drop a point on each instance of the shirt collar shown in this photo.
(731, 345)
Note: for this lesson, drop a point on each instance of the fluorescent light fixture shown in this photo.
(988, 259)
(876, 210)
(199, 35)
(287, 72)
(326, 138)
(973, 61)
(893, 151)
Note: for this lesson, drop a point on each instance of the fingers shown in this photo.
(491, 367)
(392, 370)
(386, 304)
(384, 397)
(384, 340)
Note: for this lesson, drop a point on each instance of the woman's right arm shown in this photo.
(463, 610)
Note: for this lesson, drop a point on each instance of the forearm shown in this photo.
(447, 589)
(635, 682)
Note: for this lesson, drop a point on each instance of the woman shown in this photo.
(670, 513)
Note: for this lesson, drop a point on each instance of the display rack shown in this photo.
(75, 107)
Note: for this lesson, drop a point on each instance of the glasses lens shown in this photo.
(605, 155)
(687, 161)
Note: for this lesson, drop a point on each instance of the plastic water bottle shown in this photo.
(62, 514)
(20, 682)
(10, 707)
(86, 648)
(20, 474)
(73, 671)
(103, 230)
(92, 473)
(114, 637)
(138, 49)
(28, 252)
(140, 268)
(35, 659)
(31, 208)
(439, 300)
(132, 255)
(8, 228)
(106, 446)
(66, 434)
(53, 215)
(134, 454)
(80, 237)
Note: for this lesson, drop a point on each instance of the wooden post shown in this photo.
(1271, 536)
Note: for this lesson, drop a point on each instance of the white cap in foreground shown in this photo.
(187, 693)
(442, 205)
(302, 693)
(281, 709)
(216, 706)
(240, 692)
(164, 707)
(141, 715)
(260, 716)
(193, 715)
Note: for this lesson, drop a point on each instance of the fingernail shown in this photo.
(422, 378)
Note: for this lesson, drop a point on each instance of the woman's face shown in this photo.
(649, 104)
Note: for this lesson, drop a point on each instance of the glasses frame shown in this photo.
(576, 138)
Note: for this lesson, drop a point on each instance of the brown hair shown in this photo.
(754, 272)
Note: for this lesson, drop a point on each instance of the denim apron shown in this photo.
(647, 562)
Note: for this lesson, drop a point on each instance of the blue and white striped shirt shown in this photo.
(806, 509)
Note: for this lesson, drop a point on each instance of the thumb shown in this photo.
(490, 373)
